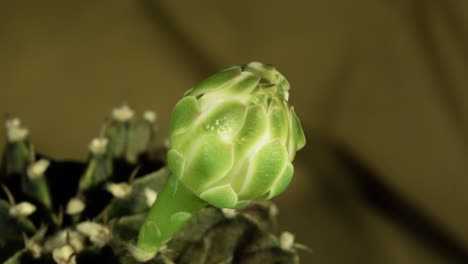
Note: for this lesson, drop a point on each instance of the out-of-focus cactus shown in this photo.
(233, 138)
(87, 212)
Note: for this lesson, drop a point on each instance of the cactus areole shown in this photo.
(233, 139)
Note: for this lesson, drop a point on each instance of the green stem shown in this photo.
(174, 206)
(43, 193)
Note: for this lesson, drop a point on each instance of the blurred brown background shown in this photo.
(381, 88)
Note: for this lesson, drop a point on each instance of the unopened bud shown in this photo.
(120, 190)
(23, 209)
(37, 169)
(75, 206)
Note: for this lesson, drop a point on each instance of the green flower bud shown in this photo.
(233, 138)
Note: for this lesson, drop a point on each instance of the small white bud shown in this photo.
(64, 255)
(150, 116)
(286, 241)
(15, 133)
(37, 169)
(75, 206)
(23, 209)
(229, 213)
(151, 196)
(122, 113)
(119, 190)
(98, 145)
(97, 233)
(12, 122)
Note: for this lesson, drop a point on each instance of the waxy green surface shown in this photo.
(234, 136)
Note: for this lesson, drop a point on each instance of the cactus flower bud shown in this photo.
(38, 168)
(233, 138)
(23, 209)
(75, 206)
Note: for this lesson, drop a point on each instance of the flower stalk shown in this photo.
(174, 206)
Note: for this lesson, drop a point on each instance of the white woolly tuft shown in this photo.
(150, 116)
(16, 133)
(98, 145)
(123, 113)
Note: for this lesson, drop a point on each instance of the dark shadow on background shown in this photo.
(192, 52)
(381, 198)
